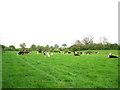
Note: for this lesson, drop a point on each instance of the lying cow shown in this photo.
(97, 52)
(111, 56)
(26, 52)
(23, 52)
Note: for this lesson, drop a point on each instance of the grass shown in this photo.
(59, 71)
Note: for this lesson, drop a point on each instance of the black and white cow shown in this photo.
(76, 54)
(82, 53)
(46, 54)
(111, 56)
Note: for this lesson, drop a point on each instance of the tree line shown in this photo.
(85, 44)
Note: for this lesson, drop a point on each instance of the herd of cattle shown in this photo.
(48, 54)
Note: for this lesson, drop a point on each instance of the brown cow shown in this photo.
(26, 52)
(97, 52)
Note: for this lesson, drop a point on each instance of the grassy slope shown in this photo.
(60, 71)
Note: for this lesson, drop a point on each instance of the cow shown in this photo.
(20, 53)
(111, 56)
(69, 52)
(81, 53)
(39, 52)
(23, 52)
(76, 54)
(26, 52)
(47, 54)
(97, 52)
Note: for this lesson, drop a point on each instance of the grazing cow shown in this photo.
(81, 53)
(111, 56)
(97, 52)
(76, 54)
(39, 52)
(46, 54)
(69, 52)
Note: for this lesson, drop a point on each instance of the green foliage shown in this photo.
(56, 50)
(40, 48)
(51, 48)
(23, 45)
(2, 48)
(12, 48)
(46, 47)
(77, 46)
(73, 48)
(33, 47)
(64, 45)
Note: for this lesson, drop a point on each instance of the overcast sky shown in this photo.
(43, 22)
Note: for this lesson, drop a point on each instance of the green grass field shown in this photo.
(59, 71)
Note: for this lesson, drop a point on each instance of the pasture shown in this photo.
(59, 71)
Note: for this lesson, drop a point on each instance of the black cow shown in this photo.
(20, 53)
(39, 52)
(69, 52)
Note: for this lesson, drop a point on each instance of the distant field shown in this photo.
(59, 71)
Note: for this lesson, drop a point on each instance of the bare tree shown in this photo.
(103, 40)
(78, 42)
(88, 40)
